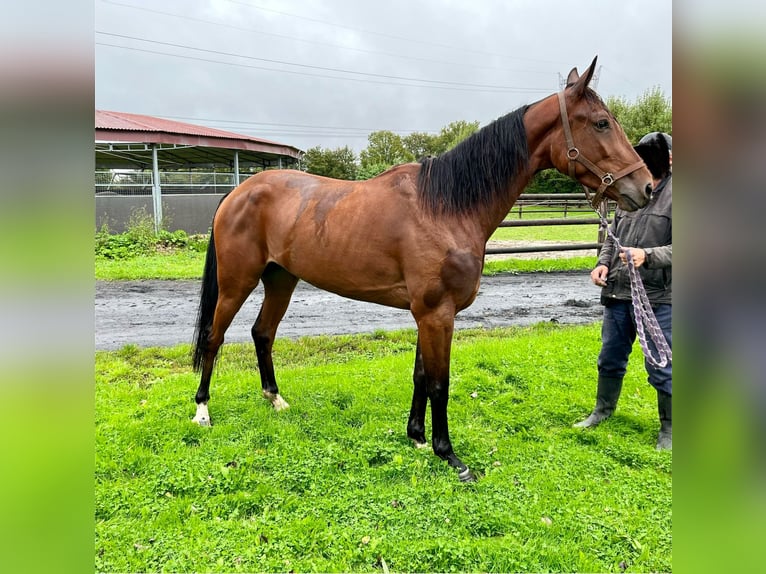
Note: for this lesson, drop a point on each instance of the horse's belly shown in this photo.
(369, 282)
(396, 296)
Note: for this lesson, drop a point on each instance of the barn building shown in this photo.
(177, 172)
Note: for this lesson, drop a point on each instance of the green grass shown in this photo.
(176, 264)
(587, 233)
(332, 484)
(574, 263)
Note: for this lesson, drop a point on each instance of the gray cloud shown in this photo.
(310, 73)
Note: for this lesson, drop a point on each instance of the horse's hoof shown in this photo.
(419, 444)
(466, 475)
(276, 400)
(202, 418)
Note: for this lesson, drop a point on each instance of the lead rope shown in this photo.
(642, 309)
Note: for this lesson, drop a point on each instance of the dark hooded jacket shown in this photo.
(649, 228)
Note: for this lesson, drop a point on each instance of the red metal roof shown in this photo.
(121, 126)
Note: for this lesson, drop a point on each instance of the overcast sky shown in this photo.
(328, 72)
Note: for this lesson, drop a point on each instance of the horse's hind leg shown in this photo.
(229, 302)
(278, 286)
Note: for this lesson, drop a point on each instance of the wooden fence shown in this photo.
(561, 203)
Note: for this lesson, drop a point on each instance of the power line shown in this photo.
(318, 43)
(382, 34)
(435, 84)
(255, 125)
(321, 68)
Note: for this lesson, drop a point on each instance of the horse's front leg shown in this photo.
(416, 425)
(435, 336)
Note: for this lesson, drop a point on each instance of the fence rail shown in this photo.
(565, 203)
(140, 182)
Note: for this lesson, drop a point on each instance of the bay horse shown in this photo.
(412, 238)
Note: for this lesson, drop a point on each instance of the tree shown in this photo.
(339, 163)
(384, 147)
(552, 181)
(652, 112)
(421, 144)
(371, 170)
(454, 133)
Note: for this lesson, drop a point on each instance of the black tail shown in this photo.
(207, 303)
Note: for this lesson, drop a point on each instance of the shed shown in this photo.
(139, 156)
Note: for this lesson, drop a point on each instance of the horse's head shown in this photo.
(592, 147)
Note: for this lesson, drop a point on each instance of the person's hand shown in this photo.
(598, 275)
(637, 254)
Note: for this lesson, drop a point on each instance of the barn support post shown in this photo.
(156, 190)
(236, 168)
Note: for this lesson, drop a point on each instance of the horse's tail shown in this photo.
(207, 303)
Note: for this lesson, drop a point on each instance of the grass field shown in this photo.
(332, 484)
(579, 233)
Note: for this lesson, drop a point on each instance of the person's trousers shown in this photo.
(618, 333)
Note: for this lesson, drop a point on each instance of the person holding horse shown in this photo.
(647, 235)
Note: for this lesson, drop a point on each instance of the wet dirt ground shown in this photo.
(162, 313)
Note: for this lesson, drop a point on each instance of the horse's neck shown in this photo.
(539, 121)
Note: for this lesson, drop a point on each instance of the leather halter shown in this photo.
(574, 155)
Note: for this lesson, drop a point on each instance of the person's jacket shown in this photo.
(649, 228)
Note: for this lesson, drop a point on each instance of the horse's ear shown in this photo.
(581, 82)
(572, 77)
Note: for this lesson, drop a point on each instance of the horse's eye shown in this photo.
(602, 124)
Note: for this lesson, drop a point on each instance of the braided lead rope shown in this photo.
(642, 310)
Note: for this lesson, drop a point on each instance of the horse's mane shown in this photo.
(476, 172)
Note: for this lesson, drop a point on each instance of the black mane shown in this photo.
(476, 172)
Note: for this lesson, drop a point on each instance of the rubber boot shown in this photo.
(665, 410)
(608, 393)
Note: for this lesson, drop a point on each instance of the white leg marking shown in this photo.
(202, 418)
(466, 475)
(277, 401)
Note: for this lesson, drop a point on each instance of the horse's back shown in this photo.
(347, 237)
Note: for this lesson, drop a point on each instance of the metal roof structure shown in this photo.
(128, 141)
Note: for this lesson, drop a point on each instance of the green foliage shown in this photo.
(339, 163)
(386, 148)
(371, 170)
(332, 484)
(652, 112)
(172, 239)
(174, 264)
(511, 265)
(420, 144)
(552, 181)
(140, 240)
(453, 133)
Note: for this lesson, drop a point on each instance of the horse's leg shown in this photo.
(230, 299)
(435, 335)
(278, 285)
(416, 426)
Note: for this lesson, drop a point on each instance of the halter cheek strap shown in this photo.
(574, 155)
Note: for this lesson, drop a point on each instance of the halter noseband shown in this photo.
(573, 154)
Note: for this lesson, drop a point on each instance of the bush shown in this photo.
(175, 239)
(140, 239)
